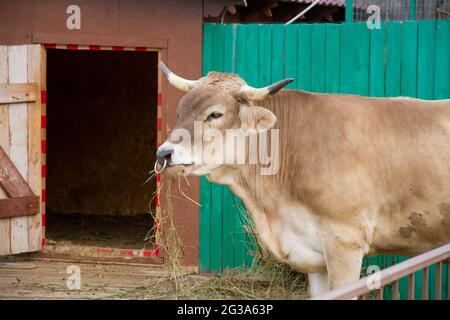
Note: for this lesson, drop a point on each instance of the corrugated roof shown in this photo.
(334, 3)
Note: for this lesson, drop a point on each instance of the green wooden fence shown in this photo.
(401, 59)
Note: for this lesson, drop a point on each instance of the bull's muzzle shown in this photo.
(163, 155)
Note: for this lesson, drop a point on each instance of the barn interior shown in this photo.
(101, 142)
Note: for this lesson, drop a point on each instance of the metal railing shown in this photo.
(361, 288)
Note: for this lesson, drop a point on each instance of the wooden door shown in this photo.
(20, 153)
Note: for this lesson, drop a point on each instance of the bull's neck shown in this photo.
(247, 184)
(295, 112)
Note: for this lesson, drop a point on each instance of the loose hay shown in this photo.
(267, 278)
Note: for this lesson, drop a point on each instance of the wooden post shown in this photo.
(349, 11)
(412, 9)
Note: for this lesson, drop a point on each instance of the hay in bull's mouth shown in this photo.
(267, 278)
(167, 237)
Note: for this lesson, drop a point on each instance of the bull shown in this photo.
(356, 175)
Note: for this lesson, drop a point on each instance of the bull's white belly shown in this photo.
(294, 239)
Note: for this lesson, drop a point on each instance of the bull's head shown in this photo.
(212, 104)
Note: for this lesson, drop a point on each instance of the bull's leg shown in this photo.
(343, 262)
(318, 283)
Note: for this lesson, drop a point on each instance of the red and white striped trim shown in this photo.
(125, 252)
(129, 252)
(43, 160)
(95, 47)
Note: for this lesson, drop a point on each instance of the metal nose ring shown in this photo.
(163, 167)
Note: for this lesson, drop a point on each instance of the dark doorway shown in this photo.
(101, 141)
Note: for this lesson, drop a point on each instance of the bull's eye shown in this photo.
(214, 115)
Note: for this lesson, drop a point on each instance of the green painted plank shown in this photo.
(318, 58)
(228, 210)
(291, 46)
(205, 186)
(240, 49)
(442, 64)
(217, 190)
(252, 59)
(412, 9)
(403, 283)
(426, 58)
(278, 35)
(242, 56)
(377, 45)
(393, 59)
(240, 239)
(229, 46)
(304, 57)
(265, 55)
(252, 77)
(388, 289)
(251, 247)
(409, 59)
(216, 227)
(347, 59)
(218, 34)
(432, 282)
(361, 59)
(348, 11)
(445, 281)
(229, 243)
(244, 245)
(265, 78)
(332, 56)
(205, 226)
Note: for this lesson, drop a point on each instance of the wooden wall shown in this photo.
(408, 58)
(173, 26)
(20, 137)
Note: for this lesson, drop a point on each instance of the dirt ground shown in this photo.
(25, 278)
(38, 279)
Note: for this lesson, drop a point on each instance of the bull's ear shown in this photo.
(256, 118)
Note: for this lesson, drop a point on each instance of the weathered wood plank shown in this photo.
(5, 224)
(19, 207)
(18, 63)
(35, 53)
(16, 93)
(11, 180)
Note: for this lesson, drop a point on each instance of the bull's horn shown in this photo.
(257, 94)
(178, 82)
